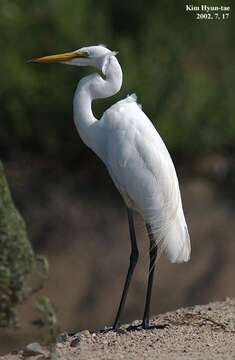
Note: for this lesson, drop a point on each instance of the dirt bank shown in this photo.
(200, 332)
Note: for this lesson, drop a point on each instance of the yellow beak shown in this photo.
(59, 57)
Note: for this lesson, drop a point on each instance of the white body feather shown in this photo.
(142, 170)
(135, 156)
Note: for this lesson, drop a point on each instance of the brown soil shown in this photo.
(200, 332)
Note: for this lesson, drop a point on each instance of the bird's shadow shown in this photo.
(150, 327)
(134, 328)
(125, 330)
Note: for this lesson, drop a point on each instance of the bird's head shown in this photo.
(85, 56)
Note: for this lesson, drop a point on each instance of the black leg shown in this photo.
(133, 261)
(152, 256)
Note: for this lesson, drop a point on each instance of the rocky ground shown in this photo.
(199, 332)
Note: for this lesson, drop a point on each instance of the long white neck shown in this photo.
(90, 88)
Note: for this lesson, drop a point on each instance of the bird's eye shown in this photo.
(82, 53)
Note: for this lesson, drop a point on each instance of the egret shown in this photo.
(136, 158)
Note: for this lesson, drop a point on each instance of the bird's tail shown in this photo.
(173, 240)
(169, 230)
(176, 244)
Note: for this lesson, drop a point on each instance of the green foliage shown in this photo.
(19, 267)
(180, 68)
(17, 259)
(16, 256)
(47, 320)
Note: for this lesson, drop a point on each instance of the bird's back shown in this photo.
(142, 170)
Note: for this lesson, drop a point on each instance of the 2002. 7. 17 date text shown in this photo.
(214, 16)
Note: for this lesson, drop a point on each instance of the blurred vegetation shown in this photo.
(47, 319)
(21, 272)
(181, 69)
(17, 260)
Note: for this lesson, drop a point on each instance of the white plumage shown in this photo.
(136, 158)
(142, 170)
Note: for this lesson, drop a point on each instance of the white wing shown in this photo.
(142, 170)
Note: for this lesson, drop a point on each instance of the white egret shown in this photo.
(136, 158)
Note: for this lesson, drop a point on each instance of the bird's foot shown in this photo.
(116, 328)
(138, 327)
(146, 326)
(145, 323)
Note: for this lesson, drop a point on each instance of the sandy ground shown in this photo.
(200, 332)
